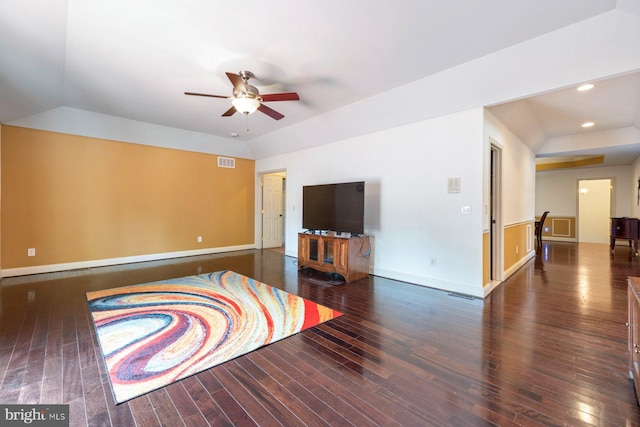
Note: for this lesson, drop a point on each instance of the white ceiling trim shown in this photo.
(86, 123)
(593, 140)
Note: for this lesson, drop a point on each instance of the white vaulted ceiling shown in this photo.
(84, 65)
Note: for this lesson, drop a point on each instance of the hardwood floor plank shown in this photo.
(95, 403)
(120, 415)
(547, 347)
(32, 383)
(244, 397)
(41, 326)
(262, 395)
(323, 391)
(205, 403)
(233, 410)
(5, 358)
(288, 397)
(12, 317)
(289, 385)
(86, 352)
(11, 385)
(143, 413)
(69, 331)
(71, 375)
(164, 408)
(21, 348)
(209, 381)
(184, 403)
(77, 412)
(362, 399)
(52, 380)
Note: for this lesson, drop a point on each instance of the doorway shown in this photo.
(594, 210)
(273, 219)
(495, 219)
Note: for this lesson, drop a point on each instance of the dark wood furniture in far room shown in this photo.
(627, 229)
(634, 331)
(346, 256)
(540, 227)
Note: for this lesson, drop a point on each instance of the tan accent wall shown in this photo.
(486, 259)
(76, 198)
(517, 242)
(576, 163)
(559, 226)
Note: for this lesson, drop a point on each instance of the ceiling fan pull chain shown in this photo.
(246, 115)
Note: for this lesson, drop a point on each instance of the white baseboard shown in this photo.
(50, 268)
(515, 267)
(560, 239)
(490, 287)
(444, 285)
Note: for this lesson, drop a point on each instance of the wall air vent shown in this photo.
(226, 162)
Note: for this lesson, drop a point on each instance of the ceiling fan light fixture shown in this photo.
(246, 98)
(245, 105)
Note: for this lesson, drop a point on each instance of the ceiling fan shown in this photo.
(246, 98)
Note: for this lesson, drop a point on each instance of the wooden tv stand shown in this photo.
(346, 256)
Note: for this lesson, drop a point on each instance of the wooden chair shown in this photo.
(539, 228)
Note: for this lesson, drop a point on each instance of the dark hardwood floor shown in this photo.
(548, 347)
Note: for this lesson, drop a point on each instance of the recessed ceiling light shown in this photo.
(585, 87)
(587, 124)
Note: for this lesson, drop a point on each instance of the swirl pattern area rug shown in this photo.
(154, 334)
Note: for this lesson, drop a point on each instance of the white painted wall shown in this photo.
(518, 173)
(634, 192)
(408, 211)
(557, 191)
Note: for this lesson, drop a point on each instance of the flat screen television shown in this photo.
(334, 207)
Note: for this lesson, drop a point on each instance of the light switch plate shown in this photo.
(453, 185)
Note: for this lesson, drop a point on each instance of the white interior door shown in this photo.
(594, 210)
(272, 216)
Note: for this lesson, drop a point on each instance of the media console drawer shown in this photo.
(348, 257)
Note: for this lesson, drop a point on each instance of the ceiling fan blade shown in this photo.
(288, 96)
(230, 112)
(270, 112)
(206, 94)
(237, 82)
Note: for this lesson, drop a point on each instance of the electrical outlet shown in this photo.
(31, 252)
(432, 261)
(199, 239)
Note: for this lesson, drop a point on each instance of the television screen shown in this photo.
(335, 207)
